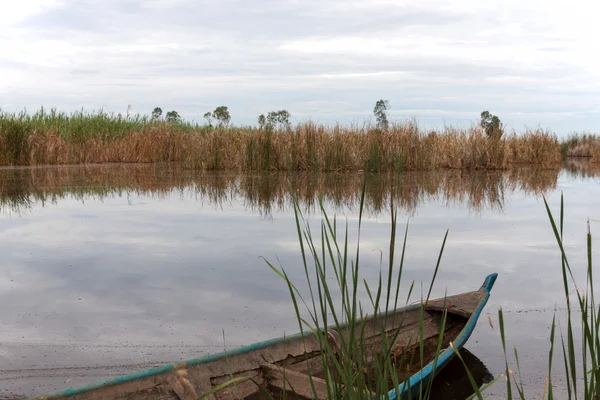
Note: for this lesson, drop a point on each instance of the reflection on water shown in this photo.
(452, 383)
(478, 190)
(110, 269)
(581, 168)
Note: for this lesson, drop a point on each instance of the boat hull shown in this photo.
(275, 364)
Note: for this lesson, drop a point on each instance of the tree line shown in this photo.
(491, 124)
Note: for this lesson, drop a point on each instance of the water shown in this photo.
(108, 270)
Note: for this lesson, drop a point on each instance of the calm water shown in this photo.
(106, 270)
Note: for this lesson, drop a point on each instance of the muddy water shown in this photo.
(108, 270)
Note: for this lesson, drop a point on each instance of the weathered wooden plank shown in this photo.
(462, 304)
(240, 389)
(410, 325)
(295, 382)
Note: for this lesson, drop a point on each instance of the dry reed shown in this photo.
(51, 139)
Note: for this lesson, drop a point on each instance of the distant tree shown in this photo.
(281, 117)
(208, 117)
(262, 121)
(275, 118)
(222, 115)
(492, 125)
(380, 111)
(157, 113)
(173, 116)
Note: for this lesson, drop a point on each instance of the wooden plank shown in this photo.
(295, 382)
(462, 304)
(241, 389)
(408, 329)
(298, 383)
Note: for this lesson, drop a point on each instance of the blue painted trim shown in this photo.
(425, 373)
(488, 284)
(410, 388)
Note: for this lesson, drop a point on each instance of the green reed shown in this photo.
(354, 368)
(81, 125)
(581, 360)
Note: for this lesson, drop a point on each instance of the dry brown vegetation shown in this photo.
(306, 147)
(582, 146)
(264, 191)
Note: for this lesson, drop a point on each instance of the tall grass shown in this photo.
(59, 138)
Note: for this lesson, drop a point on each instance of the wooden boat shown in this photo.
(282, 365)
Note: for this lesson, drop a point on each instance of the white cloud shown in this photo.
(14, 12)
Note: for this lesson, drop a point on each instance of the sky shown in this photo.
(532, 63)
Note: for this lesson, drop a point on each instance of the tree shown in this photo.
(222, 115)
(492, 125)
(208, 117)
(173, 116)
(262, 121)
(157, 113)
(380, 112)
(275, 118)
(281, 117)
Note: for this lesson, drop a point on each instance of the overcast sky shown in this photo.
(530, 62)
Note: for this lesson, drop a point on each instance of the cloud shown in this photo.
(327, 60)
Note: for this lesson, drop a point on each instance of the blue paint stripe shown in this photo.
(425, 373)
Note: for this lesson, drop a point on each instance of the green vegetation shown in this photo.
(492, 125)
(172, 116)
(275, 119)
(156, 113)
(381, 113)
(220, 114)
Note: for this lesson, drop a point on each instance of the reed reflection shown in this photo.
(21, 188)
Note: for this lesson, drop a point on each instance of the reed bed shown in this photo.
(80, 138)
(21, 187)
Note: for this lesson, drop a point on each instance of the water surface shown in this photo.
(106, 270)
